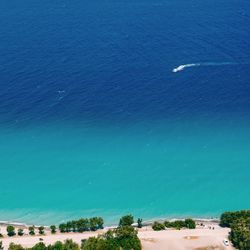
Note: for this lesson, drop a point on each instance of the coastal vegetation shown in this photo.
(126, 220)
(124, 237)
(157, 226)
(239, 222)
(41, 230)
(67, 245)
(10, 230)
(53, 229)
(82, 225)
(20, 232)
(139, 223)
(177, 224)
(31, 230)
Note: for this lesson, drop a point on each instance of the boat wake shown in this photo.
(184, 66)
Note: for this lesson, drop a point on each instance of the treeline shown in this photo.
(177, 224)
(228, 218)
(239, 222)
(82, 225)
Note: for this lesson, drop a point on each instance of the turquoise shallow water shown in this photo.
(157, 169)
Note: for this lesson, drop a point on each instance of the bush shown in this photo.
(126, 220)
(53, 229)
(13, 246)
(70, 245)
(41, 230)
(157, 226)
(20, 232)
(32, 230)
(178, 224)
(11, 231)
(62, 227)
(139, 223)
(57, 246)
(189, 223)
(39, 246)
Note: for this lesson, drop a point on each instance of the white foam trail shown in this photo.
(182, 67)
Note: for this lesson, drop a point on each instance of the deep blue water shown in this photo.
(94, 122)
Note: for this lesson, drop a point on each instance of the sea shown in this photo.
(115, 107)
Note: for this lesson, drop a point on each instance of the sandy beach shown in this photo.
(201, 238)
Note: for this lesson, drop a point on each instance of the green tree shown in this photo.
(11, 230)
(39, 246)
(189, 223)
(74, 225)
(57, 246)
(95, 223)
(126, 220)
(13, 246)
(240, 234)
(41, 230)
(139, 223)
(20, 232)
(68, 226)
(53, 229)
(31, 230)
(82, 225)
(127, 238)
(70, 245)
(124, 238)
(62, 227)
(229, 218)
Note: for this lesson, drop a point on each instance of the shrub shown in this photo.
(11, 231)
(139, 223)
(157, 226)
(32, 230)
(13, 246)
(178, 224)
(20, 232)
(41, 230)
(189, 223)
(53, 229)
(126, 220)
(39, 246)
(62, 227)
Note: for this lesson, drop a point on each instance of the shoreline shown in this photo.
(145, 223)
